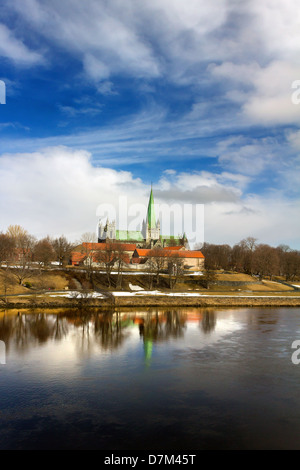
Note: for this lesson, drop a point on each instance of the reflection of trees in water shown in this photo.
(24, 330)
(110, 329)
(60, 329)
(258, 319)
(21, 332)
(160, 326)
(82, 321)
(6, 331)
(209, 321)
(41, 328)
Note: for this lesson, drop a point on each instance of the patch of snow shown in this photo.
(150, 292)
(77, 295)
(133, 287)
(195, 273)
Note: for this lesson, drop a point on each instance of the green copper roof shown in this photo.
(129, 235)
(169, 237)
(151, 214)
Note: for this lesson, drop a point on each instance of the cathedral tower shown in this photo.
(152, 228)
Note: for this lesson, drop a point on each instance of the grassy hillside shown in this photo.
(74, 279)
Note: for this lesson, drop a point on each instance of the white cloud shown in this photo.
(249, 49)
(278, 23)
(264, 92)
(103, 35)
(15, 50)
(169, 38)
(58, 191)
(271, 219)
(95, 68)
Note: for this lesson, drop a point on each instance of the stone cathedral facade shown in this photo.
(148, 237)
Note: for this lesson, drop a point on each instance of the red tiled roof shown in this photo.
(165, 252)
(185, 254)
(76, 257)
(141, 251)
(190, 254)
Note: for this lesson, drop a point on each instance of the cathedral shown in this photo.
(148, 237)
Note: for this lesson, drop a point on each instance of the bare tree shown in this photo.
(121, 258)
(209, 278)
(62, 249)
(88, 250)
(44, 252)
(175, 267)
(7, 247)
(23, 252)
(150, 270)
(17, 233)
(158, 261)
(107, 256)
(7, 283)
(248, 246)
(217, 256)
(237, 258)
(249, 243)
(266, 261)
(292, 265)
(88, 237)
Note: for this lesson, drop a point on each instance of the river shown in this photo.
(151, 379)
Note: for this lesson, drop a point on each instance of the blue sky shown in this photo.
(105, 97)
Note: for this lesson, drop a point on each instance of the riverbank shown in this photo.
(62, 289)
(160, 301)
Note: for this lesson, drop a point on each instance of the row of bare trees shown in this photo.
(20, 252)
(19, 249)
(113, 257)
(250, 257)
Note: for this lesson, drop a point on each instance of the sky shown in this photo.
(104, 98)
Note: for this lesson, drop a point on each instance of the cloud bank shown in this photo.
(58, 191)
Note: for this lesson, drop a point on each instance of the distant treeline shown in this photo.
(250, 257)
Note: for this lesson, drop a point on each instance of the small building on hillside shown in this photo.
(135, 258)
(89, 252)
(192, 260)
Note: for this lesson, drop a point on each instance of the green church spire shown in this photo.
(151, 222)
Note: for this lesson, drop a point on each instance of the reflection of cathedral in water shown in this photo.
(105, 329)
(155, 326)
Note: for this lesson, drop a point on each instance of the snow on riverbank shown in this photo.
(135, 288)
(144, 293)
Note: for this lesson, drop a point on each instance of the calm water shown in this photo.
(179, 379)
